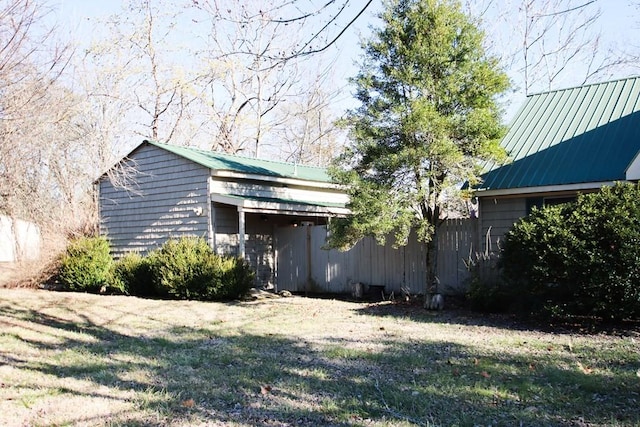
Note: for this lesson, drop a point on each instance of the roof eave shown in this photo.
(522, 191)
(221, 173)
(280, 208)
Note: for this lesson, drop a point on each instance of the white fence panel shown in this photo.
(19, 240)
(7, 240)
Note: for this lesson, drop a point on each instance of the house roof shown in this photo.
(246, 165)
(571, 137)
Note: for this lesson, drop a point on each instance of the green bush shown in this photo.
(238, 277)
(134, 272)
(188, 269)
(486, 291)
(489, 296)
(581, 258)
(86, 266)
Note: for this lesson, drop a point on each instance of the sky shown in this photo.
(620, 23)
(79, 18)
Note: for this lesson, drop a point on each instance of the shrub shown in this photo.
(534, 258)
(86, 266)
(581, 258)
(188, 269)
(486, 292)
(489, 296)
(134, 272)
(238, 278)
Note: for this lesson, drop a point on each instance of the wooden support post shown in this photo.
(241, 232)
(211, 219)
(309, 266)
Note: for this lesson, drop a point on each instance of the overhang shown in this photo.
(270, 205)
(274, 179)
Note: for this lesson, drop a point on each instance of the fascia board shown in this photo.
(257, 206)
(542, 189)
(280, 180)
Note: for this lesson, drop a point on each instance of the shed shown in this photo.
(162, 191)
(562, 143)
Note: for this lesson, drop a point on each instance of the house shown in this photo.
(562, 143)
(271, 213)
(238, 204)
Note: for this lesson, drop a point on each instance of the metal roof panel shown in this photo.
(247, 165)
(570, 136)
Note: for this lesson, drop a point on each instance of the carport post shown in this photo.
(241, 228)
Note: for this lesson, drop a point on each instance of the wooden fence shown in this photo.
(303, 265)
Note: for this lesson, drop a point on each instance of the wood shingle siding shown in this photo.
(225, 219)
(497, 217)
(163, 201)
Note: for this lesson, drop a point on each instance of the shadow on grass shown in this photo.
(216, 375)
(464, 317)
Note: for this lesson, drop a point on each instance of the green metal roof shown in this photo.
(571, 136)
(246, 165)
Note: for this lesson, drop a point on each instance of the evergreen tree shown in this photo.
(428, 117)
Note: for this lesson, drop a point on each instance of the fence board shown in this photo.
(369, 263)
(291, 266)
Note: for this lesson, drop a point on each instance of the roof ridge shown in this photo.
(203, 151)
(546, 92)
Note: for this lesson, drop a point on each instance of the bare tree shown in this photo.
(321, 26)
(555, 34)
(141, 51)
(244, 89)
(311, 136)
(231, 87)
(25, 43)
(38, 134)
(551, 44)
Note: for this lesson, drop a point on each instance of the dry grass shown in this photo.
(77, 359)
(33, 273)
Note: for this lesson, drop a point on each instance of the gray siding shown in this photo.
(225, 219)
(225, 224)
(162, 203)
(497, 216)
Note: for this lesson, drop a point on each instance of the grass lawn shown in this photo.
(78, 359)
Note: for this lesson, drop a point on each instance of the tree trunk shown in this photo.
(433, 300)
(431, 266)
